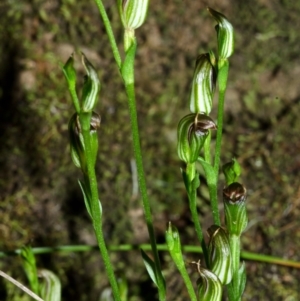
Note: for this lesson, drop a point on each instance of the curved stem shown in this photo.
(96, 213)
(110, 33)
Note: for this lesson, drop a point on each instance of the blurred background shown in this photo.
(40, 200)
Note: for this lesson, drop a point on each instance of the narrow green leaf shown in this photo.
(29, 266)
(209, 172)
(86, 197)
(150, 266)
(70, 75)
(242, 279)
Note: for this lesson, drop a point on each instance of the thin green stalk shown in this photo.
(187, 281)
(142, 181)
(212, 180)
(136, 144)
(213, 194)
(110, 33)
(222, 81)
(161, 247)
(96, 214)
(192, 195)
(223, 66)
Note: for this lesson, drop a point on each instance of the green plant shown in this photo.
(193, 135)
(222, 253)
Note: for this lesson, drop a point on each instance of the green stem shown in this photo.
(213, 194)
(110, 33)
(161, 247)
(96, 214)
(212, 180)
(222, 81)
(192, 195)
(142, 182)
(223, 67)
(187, 282)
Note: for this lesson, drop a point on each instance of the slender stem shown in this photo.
(222, 80)
(213, 193)
(96, 214)
(212, 180)
(187, 281)
(192, 195)
(161, 247)
(142, 181)
(110, 33)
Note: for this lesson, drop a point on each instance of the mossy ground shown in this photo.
(40, 199)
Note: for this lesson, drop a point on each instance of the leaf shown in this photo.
(150, 266)
(242, 279)
(86, 196)
(29, 266)
(209, 172)
(127, 69)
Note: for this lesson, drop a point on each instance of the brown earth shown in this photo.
(40, 200)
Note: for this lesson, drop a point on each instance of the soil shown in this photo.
(41, 202)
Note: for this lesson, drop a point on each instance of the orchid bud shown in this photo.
(191, 133)
(209, 285)
(77, 142)
(234, 198)
(133, 12)
(225, 34)
(220, 259)
(232, 171)
(91, 87)
(173, 241)
(203, 85)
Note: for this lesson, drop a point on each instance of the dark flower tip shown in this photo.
(235, 193)
(202, 124)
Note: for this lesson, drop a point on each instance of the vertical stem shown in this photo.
(96, 214)
(213, 193)
(187, 282)
(222, 80)
(110, 33)
(197, 225)
(192, 195)
(142, 182)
